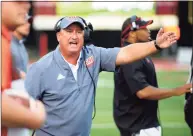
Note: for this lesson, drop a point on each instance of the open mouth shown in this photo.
(74, 44)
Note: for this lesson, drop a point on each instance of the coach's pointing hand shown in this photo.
(164, 40)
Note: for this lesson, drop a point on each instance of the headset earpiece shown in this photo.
(90, 26)
(87, 31)
(57, 25)
(134, 26)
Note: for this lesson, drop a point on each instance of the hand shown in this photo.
(19, 96)
(22, 74)
(182, 90)
(21, 100)
(165, 40)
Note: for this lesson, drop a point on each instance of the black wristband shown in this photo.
(156, 46)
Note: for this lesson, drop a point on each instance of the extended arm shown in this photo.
(16, 115)
(135, 52)
(139, 84)
(153, 93)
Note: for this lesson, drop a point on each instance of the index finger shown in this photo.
(189, 85)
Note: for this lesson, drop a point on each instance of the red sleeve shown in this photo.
(6, 65)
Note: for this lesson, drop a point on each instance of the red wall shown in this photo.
(44, 8)
(163, 8)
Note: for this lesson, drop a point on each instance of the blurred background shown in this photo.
(107, 17)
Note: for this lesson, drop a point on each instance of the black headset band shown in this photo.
(57, 25)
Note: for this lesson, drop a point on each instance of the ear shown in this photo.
(132, 34)
(58, 35)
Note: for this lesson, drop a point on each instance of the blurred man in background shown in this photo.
(189, 101)
(136, 89)
(18, 50)
(65, 79)
(16, 110)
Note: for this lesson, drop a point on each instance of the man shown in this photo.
(188, 109)
(14, 114)
(18, 50)
(136, 90)
(65, 79)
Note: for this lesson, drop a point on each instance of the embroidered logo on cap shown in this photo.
(73, 18)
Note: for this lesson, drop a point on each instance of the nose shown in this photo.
(74, 35)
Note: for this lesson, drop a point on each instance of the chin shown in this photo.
(147, 40)
(74, 50)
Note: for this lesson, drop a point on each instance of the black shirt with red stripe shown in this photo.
(132, 114)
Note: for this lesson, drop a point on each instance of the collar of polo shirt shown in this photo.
(74, 68)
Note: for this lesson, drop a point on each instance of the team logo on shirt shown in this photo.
(89, 61)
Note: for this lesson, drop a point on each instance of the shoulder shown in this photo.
(91, 49)
(98, 49)
(43, 63)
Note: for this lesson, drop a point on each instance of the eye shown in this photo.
(80, 32)
(68, 31)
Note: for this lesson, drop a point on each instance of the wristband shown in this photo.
(156, 46)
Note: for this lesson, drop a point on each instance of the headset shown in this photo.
(134, 26)
(88, 28)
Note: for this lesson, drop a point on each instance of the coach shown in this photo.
(136, 89)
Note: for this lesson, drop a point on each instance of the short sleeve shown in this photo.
(108, 58)
(33, 82)
(135, 76)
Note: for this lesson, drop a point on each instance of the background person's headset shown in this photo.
(131, 27)
(134, 26)
(88, 28)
